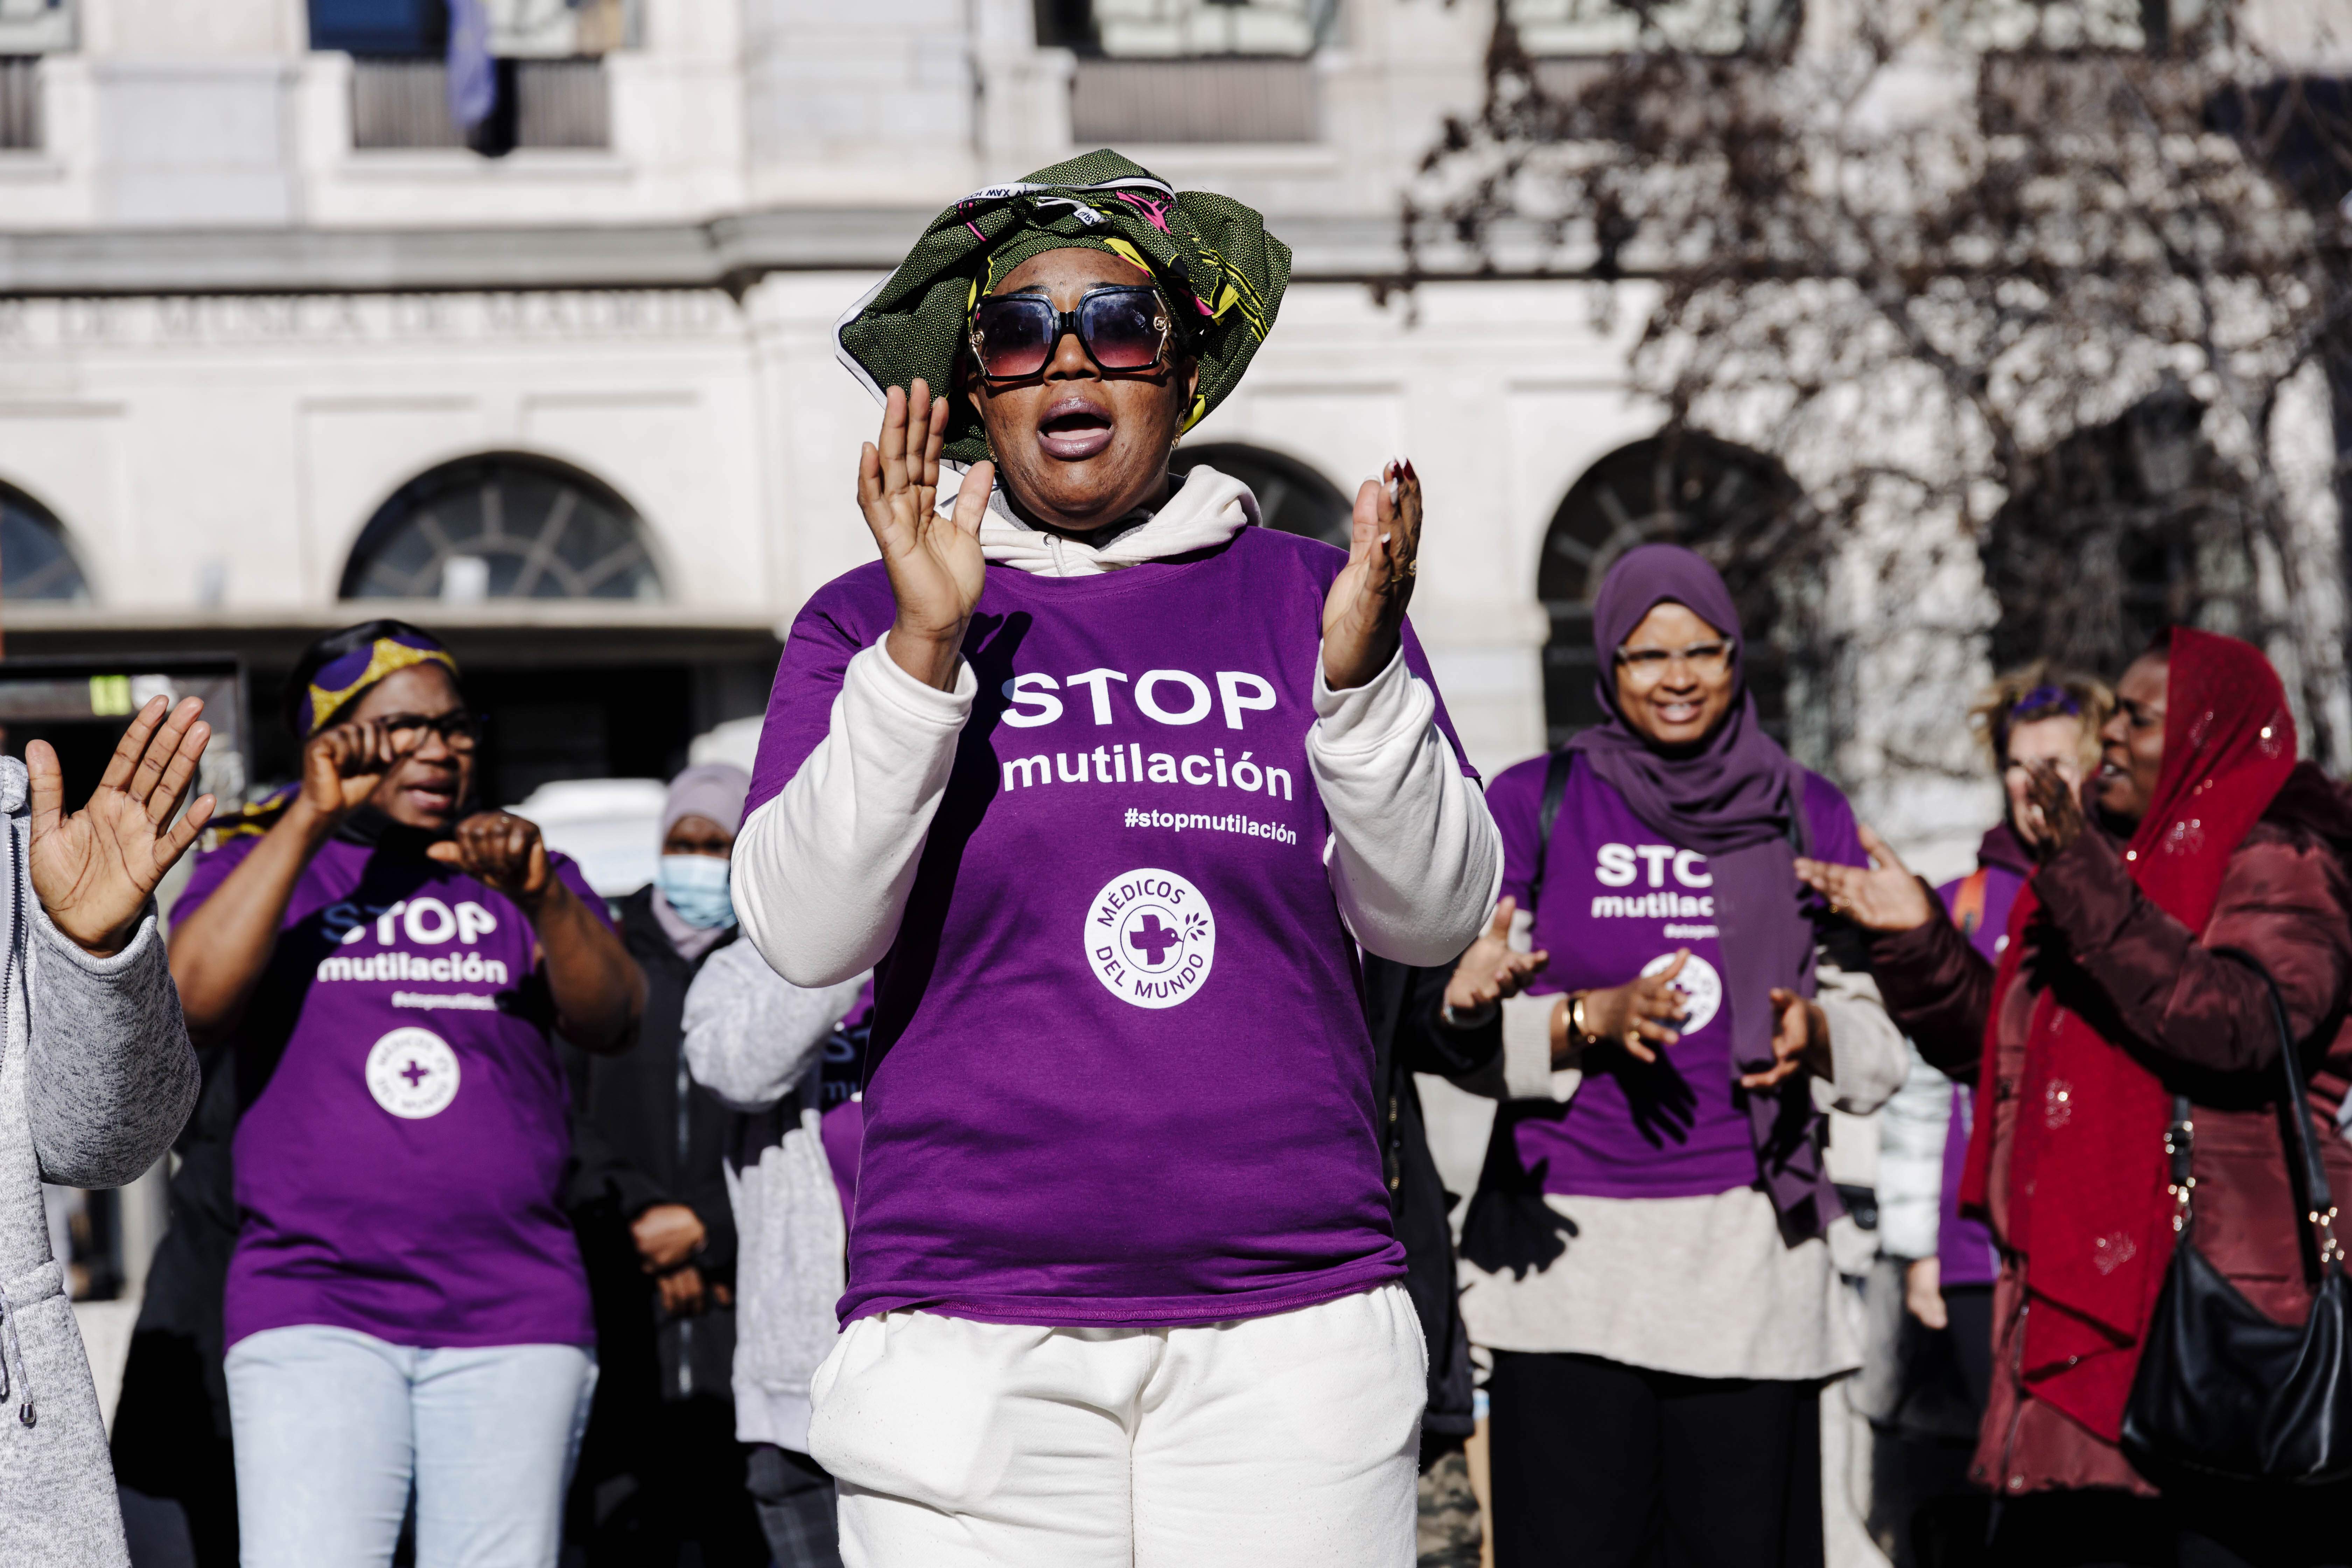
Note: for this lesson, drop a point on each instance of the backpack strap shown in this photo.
(1554, 790)
(1968, 903)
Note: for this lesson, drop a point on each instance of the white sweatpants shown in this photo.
(1287, 1441)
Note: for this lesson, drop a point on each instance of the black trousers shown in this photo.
(1600, 1464)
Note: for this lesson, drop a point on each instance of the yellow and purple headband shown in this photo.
(340, 681)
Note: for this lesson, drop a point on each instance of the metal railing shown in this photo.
(20, 102)
(1220, 98)
(404, 103)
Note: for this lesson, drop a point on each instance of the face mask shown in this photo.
(696, 887)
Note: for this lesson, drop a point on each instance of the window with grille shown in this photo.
(1190, 71)
(36, 563)
(542, 104)
(20, 103)
(502, 527)
(1575, 28)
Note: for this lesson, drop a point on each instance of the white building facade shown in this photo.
(278, 351)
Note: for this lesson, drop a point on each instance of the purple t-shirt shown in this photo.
(399, 1160)
(1964, 1247)
(1617, 902)
(1119, 1072)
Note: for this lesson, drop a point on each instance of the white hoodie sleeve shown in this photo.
(751, 1035)
(821, 871)
(1415, 861)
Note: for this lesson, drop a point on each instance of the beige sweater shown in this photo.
(1705, 1286)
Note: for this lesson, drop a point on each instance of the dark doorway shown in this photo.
(1291, 497)
(1733, 506)
(2128, 528)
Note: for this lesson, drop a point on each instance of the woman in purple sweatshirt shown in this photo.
(1646, 1258)
(1107, 783)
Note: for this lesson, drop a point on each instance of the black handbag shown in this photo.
(2222, 1391)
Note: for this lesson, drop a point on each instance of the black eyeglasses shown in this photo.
(1122, 326)
(1648, 666)
(459, 730)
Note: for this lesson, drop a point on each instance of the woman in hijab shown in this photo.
(2112, 995)
(648, 1198)
(1646, 1255)
(1107, 781)
(2028, 716)
(390, 965)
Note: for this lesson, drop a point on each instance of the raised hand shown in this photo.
(341, 767)
(1884, 897)
(94, 871)
(2055, 812)
(935, 565)
(1801, 1042)
(1490, 971)
(1638, 1014)
(1363, 615)
(503, 851)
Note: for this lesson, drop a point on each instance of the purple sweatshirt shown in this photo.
(1119, 1072)
(399, 1160)
(1617, 903)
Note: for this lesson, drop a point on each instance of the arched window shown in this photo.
(36, 563)
(1682, 488)
(2128, 528)
(1291, 495)
(501, 527)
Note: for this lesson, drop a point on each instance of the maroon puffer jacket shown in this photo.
(2203, 1024)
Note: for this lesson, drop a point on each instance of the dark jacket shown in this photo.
(643, 1133)
(2200, 1021)
(1401, 1006)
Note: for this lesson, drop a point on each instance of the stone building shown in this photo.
(281, 347)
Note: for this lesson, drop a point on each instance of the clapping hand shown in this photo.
(95, 871)
(1363, 615)
(1884, 897)
(1801, 1042)
(1638, 1015)
(935, 565)
(1490, 971)
(2057, 811)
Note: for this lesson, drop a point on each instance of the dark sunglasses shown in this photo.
(461, 731)
(1122, 326)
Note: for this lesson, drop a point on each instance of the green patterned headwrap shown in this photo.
(1212, 256)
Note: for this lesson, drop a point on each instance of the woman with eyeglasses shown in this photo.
(1107, 781)
(1646, 1252)
(387, 965)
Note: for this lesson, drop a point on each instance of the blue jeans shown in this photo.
(332, 1426)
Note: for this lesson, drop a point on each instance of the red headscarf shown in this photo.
(2089, 1206)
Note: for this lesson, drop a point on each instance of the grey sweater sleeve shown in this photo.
(752, 1034)
(110, 1075)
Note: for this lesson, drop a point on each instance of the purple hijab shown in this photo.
(1739, 800)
